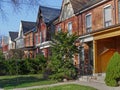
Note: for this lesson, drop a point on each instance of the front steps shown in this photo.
(94, 78)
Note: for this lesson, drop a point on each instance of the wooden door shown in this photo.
(104, 58)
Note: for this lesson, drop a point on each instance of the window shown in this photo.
(70, 28)
(40, 37)
(119, 10)
(36, 39)
(90, 53)
(107, 16)
(81, 58)
(29, 40)
(59, 29)
(88, 23)
(44, 35)
(82, 53)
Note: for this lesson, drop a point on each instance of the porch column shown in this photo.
(95, 70)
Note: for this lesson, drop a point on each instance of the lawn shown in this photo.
(20, 81)
(67, 87)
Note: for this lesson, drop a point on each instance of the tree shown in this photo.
(16, 4)
(63, 46)
(2, 57)
(63, 49)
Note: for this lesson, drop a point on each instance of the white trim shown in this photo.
(107, 6)
(45, 47)
(45, 44)
(86, 38)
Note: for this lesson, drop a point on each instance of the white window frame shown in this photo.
(36, 38)
(88, 28)
(59, 29)
(104, 23)
(70, 31)
(40, 37)
(44, 35)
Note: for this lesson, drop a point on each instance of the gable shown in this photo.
(13, 35)
(67, 10)
(20, 34)
(47, 14)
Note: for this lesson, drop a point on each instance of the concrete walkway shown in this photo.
(97, 85)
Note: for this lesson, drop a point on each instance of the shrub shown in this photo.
(113, 70)
(15, 54)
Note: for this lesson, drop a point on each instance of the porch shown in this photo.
(105, 44)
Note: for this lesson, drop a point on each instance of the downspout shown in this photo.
(78, 24)
(115, 11)
(81, 24)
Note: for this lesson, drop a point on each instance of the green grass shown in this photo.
(67, 87)
(10, 82)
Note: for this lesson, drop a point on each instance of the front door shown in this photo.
(104, 58)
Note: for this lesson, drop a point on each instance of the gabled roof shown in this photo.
(13, 35)
(79, 5)
(27, 26)
(48, 13)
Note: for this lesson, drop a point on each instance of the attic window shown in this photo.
(70, 28)
(67, 2)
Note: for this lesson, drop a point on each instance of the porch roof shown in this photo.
(111, 31)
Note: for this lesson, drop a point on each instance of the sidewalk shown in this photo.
(98, 86)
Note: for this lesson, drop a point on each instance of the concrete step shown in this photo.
(99, 79)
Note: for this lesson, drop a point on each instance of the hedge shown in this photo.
(22, 67)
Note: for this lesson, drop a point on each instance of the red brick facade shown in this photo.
(97, 12)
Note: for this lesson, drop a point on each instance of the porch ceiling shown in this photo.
(107, 33)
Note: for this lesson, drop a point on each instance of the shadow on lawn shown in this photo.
(12, 82)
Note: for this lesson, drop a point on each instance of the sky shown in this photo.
(10, 19)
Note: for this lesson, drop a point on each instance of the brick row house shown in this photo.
(5, 45)
(45, 29)
(97, 24)
(12, 42)
(25, 39)
(35, 37)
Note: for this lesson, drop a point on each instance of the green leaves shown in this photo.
(64, 45)
(113, 70)
(63, 49)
